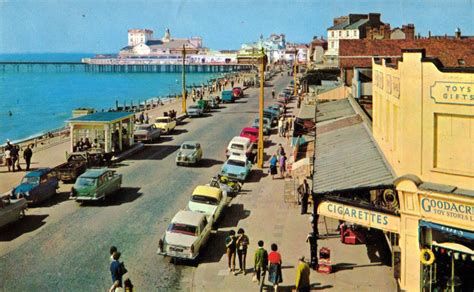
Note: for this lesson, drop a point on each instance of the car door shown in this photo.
(101, 189)
(205, 230)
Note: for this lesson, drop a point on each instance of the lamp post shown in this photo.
(262, 63)
(184, 81)
(295, 90)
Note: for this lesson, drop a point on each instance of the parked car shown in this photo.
(238, 145)
(266, 125)
(227, 96)
(11, 210)
(204, 104)
(146, 133)
(208, 200)
(36, 186)
(237, 167)
(77, 163)
(250, 133)
(277, 107)
(276, 112)
(187, 233)
(270, 115)
(195, 111)
(237, 92)
(165, 124)
(96, 184)
(190, 152)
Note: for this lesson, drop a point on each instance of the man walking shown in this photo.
(260, 264)
(273, 93)
(242, 244)
(115, 269)
(304, 191)
(302, 276)
(14, 156)
(313, 248)
(230, 243)
(27, 154)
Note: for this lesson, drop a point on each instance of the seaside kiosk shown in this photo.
(107, 131)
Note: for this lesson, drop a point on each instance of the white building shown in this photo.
(137, 36)
(274, 47)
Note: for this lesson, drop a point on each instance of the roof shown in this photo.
(250, 129)
(359, 53)
(208, 191)
(154, 42)
(187, 217)
(94, 173)
(38, 172)
(238, 139)
(348, 158)
(241, 157)
(357, 24)
(333, 110)
(101, 117)
(339, 26)
(190, 143)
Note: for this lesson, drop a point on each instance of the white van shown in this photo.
(238, 146)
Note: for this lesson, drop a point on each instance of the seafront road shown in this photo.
(70, 251)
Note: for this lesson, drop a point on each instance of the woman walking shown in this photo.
(273, 166)
(283, 165)
(274, 267)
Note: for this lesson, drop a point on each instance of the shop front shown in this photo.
(437, 238)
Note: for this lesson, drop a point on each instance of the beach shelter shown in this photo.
(107, 131)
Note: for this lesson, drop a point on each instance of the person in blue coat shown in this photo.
(115, 269)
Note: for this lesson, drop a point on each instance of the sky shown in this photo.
(100, 26)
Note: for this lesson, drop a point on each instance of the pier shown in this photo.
(124, 66)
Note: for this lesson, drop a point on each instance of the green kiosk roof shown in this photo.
(101, 117)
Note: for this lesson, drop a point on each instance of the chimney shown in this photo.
(375, 17)
(457, 33)
(409, 31)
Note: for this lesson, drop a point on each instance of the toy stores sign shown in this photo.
(458, 212)
(364, 217)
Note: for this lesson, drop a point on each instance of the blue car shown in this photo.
(36, 186)
(266, 125)
(236, 167)
(276, 112)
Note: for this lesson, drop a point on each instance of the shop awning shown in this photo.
(301, 168)
(448, 230)
(347, 159)
(307, 112)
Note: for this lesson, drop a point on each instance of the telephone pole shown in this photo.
(184, 81)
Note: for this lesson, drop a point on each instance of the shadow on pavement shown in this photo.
(233, 215)
(55, 199)
(155, 152)
(208, 162)
(177, 132)
(123, 196)
(256, 175)
(215, 248)
(182, 123)
(377, 248)
(28, 224)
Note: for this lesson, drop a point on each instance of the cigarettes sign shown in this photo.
(360, 216)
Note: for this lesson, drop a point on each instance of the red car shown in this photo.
(251, 133)
(237, 92)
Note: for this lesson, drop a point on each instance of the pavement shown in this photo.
(62, 245)
(264, 215)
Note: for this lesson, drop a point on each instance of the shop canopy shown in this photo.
(346, 159)
(469, 235)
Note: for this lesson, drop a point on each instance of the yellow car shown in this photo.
(208, 200)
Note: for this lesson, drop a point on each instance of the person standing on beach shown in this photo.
(14, 156)
(27, 154)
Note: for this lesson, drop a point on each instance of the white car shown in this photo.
(238, 146)
(165, 124)
(208, 200)
(186, 235)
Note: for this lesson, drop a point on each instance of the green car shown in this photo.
(96, 184)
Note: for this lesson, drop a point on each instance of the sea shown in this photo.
(34, 101)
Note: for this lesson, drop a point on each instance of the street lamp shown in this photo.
(262, 62)
(295, 90)
(184, 81)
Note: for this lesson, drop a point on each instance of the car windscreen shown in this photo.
(250, 133)
(162, 120)
(237, 146)
(182, 228)
(204, 199)
(30, 180)
(236, 162)
(143, 128)
(86, 181)
(188, 146)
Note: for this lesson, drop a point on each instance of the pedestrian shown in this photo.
(8, 159)
(273, 166)
(147, 118)
(273, 93)
(116, 269)
(230, 243)
(302, 276)
(127, 285)
(141, 118)
(116, 287)
(274, 267)
(312, 238)
(283, 165)
(280, 150)
(232, 83)
(260, 264)
(14, 156)
(290, 123)
(112, 250)
(280, 127)
(304, 191)
(242, 245)
(27, 154)
(9, 146)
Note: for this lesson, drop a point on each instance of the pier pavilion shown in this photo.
(110, 131)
